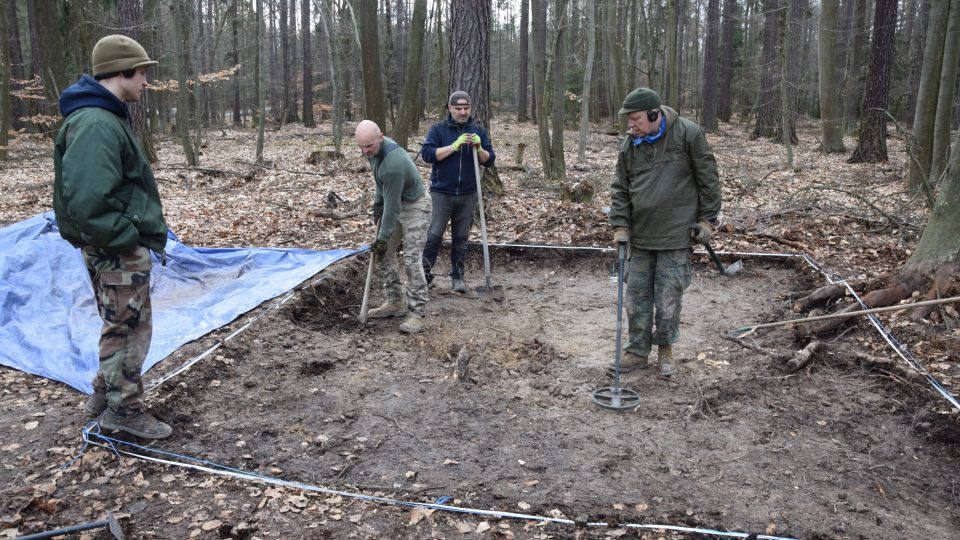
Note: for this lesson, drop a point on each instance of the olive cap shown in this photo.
(641, 99)
(116, 53)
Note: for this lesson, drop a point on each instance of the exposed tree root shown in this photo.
(819, 296)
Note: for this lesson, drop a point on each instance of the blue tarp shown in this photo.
(49, 321)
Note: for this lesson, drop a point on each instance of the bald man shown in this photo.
(402, 211)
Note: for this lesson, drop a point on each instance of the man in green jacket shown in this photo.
(666, 197)
(402, 212)
(106, 202)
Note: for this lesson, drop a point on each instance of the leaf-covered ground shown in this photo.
(855, 220)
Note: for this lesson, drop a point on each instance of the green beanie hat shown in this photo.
(641, 99)
(117, 53)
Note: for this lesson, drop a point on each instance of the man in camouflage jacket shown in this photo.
(665, 198)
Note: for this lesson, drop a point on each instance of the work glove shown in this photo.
(377, 213)
(466, 138)
(379, 248)
(475, 140)
(621, 235)
(701, 232)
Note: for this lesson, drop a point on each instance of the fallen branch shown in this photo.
(804, 357)
(784, 241)
(331, 214)
(746, 330)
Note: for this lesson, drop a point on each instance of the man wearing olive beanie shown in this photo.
(107, 204)
(665, 198)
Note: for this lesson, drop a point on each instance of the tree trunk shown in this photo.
(522, 68)
(128, 13)
(917, 41)
(202, 91)
(672, 71)
(307, 64)
(872, 146)
(438, 67)
(853, 82)
(948, 82)
(389, 65)
(284, 65)
(373, 98)
(181, 41)
(6, 73)
(538, 27)
(559, 88)
(235, 28)
(831, 122)
(587, 79)
(710, 68)
(926, 112)
(766, 109)
(326, 18)
(786, 110)
(274, 80)
(939, 245)
(50, 51)
(261, 75)
(724, 97)
(409, 106)
(18, 107)
(469, 64)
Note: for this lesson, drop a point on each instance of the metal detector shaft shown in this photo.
(621, 253)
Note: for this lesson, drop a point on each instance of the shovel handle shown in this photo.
(716, 260)
(483, 219)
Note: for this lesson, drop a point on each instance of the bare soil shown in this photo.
(840, 450)
(855, 445)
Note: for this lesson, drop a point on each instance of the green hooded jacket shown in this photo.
(663, 188)
(397, 179)
(104, 192)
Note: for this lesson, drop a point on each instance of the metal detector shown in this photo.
(614, 397)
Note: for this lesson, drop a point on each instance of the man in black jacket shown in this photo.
(449, 146)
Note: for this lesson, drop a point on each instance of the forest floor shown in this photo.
(856, 444)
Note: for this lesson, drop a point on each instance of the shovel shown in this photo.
(724, 270)
(494, 292)
(366, 287)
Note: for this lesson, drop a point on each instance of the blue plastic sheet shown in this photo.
(49, 320)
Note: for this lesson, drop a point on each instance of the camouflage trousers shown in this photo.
(411, 231)
(655, 283)
(121, 286)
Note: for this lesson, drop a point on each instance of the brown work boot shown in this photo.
(97, 402)
(390, 308)
(630, 362)
(137, 423)
(665, 357)
(412, 325)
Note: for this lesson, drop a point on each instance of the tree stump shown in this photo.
(580, 192)
(319, 157)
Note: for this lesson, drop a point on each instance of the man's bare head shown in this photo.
(369, 138)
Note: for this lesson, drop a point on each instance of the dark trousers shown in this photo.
(457, 210)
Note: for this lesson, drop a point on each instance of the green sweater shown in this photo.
(104, 193)
(661, 189)
(397, 179)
